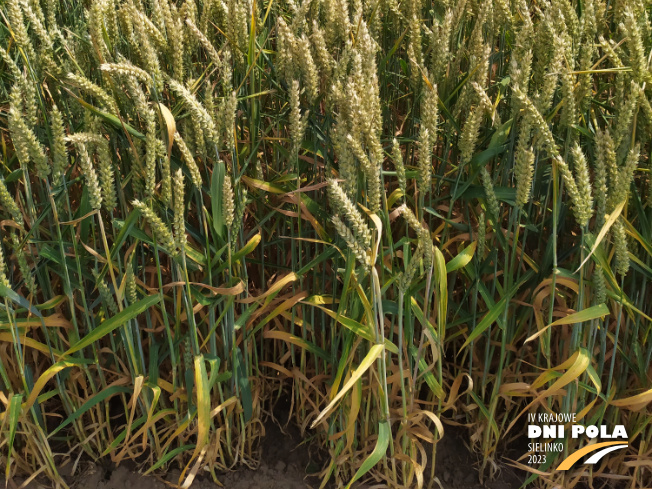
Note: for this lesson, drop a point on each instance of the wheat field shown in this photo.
(403, 214)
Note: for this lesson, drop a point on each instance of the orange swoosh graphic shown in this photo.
(571, 459)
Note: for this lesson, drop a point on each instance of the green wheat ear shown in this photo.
(3, 266)
(9, 204)
(186, 154)
(397, 157)
(493, 207)
(469, 137)
(523, 173)
(228, 202)
(25, 270)
(130, 286)
(27, 145)
(59, 151)
(298, 123)
(583, 185)
(343, 205)
(345, 233)
(127, 69)
(200, 115)
(107, 175)
(179, 211)
(90, 177)
(621, 248)
(107, 297)
(482, 235)
(96, 91)
(163, 234)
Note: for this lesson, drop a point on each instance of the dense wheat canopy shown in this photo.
(402, 214)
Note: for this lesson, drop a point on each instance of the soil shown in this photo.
(457, 466)
(290, 463)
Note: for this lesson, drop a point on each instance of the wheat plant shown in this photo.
(404, 215)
